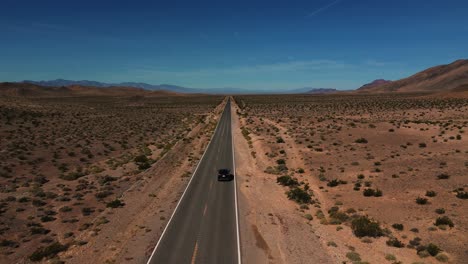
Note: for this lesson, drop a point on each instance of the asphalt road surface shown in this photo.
(204, 225)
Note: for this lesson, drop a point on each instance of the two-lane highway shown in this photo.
(204, 226)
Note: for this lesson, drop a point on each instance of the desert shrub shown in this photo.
(87, 211)
(115, 203)
(444, 220)
(72, 176)
(24, 200)
(144, 166)
(279, 140)
(422, 145)
(300, 170)
(337, 216)
(361, 140)
(442, 258)
(102, 194)
(280, 162)
(360, 176)
(8, 243)
(140, 159)
(433, 249)
(431, 193)
(47, 252)
(38, 230)
(353, 256)
(333, 183)
(421, 200)
(398, 226)
(287, 180)
(371, 192)
(363, 226)
(47, 218)
(38, 203)
(308, 216)
(378, 193)
(368, 192)
(65, 209)
(462, 195)
(105, 179)
(440, 211)
(394, 242)
(443, 176)
(299, 195)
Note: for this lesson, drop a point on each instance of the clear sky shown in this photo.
(247, 44)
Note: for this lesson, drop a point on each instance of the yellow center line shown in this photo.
(194, 256)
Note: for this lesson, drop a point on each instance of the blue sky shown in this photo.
(247, 44)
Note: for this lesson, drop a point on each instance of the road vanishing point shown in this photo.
(204, 227)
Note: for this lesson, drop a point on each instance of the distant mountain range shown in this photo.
(34, 90)
(442, 78)
(374, 83)
(175, 88)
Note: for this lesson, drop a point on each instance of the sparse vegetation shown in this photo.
(444, 220)
(364, 226)
(47, 252)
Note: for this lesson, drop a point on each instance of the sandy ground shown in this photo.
(327, 148)
(272, 231)
(126, 234)
(149, 204)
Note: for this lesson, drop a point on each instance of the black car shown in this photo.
(225, 175)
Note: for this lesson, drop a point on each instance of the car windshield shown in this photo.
(224, 171)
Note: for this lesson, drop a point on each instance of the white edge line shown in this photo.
(239, 258)
(186, 188)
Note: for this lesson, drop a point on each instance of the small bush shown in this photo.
(444, 220)
(333, 183)
(47, 252)
(368, 192)
(72, 176)
(308, 216)
(279, 140)
(421, 200)
(431, 193)
(115, 203)
(353, 256)
(433, 249)
(287, 180)
(371, 192)
(398, 226)
(361, 141)
(8, 243)
(442, 258)
(462, 195)
(363, 226)
(141, 159)
(299, 195)
(378, 193)
(443, 176)
(440, 211)
(393, 242)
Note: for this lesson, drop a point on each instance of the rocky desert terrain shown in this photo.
(81, 177)
(349, 178)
